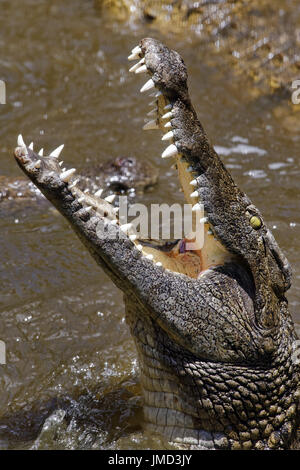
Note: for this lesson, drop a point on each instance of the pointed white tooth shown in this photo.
(158, 94)
(149, 257)
(38, 164)
(204, 220)
(66, 175)
(134, 56)
(167, 115)
(168, 136)
(174, 166)
(132, 237)
(81, 199)
(125, 227)
(139, 247)
(153, 103)
(141, 69)
(148, 86)
(209, 232)
(116, 210)
(41, 152)
(110, 198)
(72, 185)
(136, 50)
(194, 183)
(197, 208)
(61, 163)
(189, 169)
(88, 208)
(20, 141)
(194, 194)
(56, 152)
(153, 112)
(30, 146)
(170, 151)
(151, 125)
(86, 191)
(167, 107)
(168, 125)
(158, 263)
(114, 222)
(98, 193)
(137, 65)
(63, 169)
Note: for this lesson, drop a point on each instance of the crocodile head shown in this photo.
(211, 324)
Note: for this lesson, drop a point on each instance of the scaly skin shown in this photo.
(215, 341)
(120, 175)
(259, 39)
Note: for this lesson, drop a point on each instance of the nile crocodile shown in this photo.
(214, 336)
(122, 175)
(259, 39)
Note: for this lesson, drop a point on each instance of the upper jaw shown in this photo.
(228, 213)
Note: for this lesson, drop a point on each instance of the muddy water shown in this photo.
(71, 379)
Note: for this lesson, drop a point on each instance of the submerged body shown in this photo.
(212, 329)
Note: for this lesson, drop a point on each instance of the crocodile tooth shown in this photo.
(139, 247)
(189, 169)
(141, 69)
(167, 115)
(41, 152)
(61, 163)
(148, 86)
(38, 164)
(73, 184)
(168, 125)
(20, 141)
(168, 136)
(56, 152)
(204, 220)
(137, 65)
(197, 207)
(194, 183)
(116, 210)
(159, 93)
(194, 194)
(151, 125)
(135, 53)
(132, 237)
(126, 227)
(30, 146)
(110, 198)
(86, 191)
(114, 222)
(209, 232)
(168, 106)
(158, 263)
(66, 175)
(153, 112)
(98, 193)
(81, 199)
(153, 103)
(149, 257)
(170, 151)
(88, 208)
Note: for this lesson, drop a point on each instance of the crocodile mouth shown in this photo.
(193, 255)
(60, 186)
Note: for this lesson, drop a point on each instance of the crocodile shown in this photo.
(215, 340)
(124, 175)
(258, 39)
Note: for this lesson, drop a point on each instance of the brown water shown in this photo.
(69, 353)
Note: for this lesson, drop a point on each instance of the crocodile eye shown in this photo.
(255, 222)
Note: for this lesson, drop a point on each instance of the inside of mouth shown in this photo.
(186, 256)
